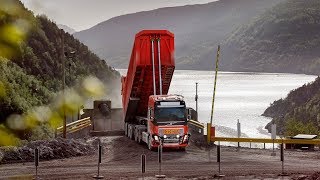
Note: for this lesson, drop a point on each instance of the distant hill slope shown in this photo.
(198, 30)
(32, 76)
(285, 38)
(299, 112)
(66, 28)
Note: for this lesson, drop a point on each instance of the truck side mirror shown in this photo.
(189, 113)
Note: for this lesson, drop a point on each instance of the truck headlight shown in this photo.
(186, 138)
(165, 136)
(156, 138)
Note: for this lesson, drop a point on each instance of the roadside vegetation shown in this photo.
(31, 74)
(299, 112)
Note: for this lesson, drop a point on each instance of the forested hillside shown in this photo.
(299, 112)
(283, 39)
(30, 60)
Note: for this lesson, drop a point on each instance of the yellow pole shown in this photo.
(215, 84)
(208, 133)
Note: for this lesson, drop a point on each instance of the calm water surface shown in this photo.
(242, 96)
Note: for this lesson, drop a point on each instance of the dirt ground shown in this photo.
(121, 160)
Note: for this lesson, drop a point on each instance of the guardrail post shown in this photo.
(273, 137)
(273, 152)
(36, 161)
(219, 156)
(209, 139)
(143, 165)
(219, 161)
(282, 160)
(160, 175)
(239, 131)
(98, 176)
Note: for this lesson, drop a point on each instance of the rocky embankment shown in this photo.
(49, 149)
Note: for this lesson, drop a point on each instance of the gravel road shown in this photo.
(121, 160)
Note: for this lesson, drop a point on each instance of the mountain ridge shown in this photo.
(283, 39)
(66, 28)
(193, 26)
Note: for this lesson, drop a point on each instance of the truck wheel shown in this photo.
(132, 133)
(136, 135)
(139, 140)
(126, 129)
(149, 144)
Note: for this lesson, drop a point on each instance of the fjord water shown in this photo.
(239, 95)
(242, 96)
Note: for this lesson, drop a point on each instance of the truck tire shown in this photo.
(136, 136)
(139, 139)
(132, 132)
(126, 129)
(149, 144)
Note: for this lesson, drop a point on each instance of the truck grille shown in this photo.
(171, 138)
(177, 130)
(171, 141)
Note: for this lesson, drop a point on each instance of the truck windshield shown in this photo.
(172, 115)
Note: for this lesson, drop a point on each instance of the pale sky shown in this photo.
(83, 14)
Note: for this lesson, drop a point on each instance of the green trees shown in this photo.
(299, 112)
(294, 127)
(31, 66)
(22, 91)
(40, 56)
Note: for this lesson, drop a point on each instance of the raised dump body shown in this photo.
(152, 49)
(151, 116)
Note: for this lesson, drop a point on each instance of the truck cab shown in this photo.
(166, 122)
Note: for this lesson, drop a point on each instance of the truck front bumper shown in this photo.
(181, 142)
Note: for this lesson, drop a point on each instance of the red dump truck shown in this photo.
(151, 116)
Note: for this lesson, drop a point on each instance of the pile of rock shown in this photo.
(49, 149)
(314, 176)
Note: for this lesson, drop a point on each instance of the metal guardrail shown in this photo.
(75, 126)
(263, 140)
(257, 140)
(196, 123)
